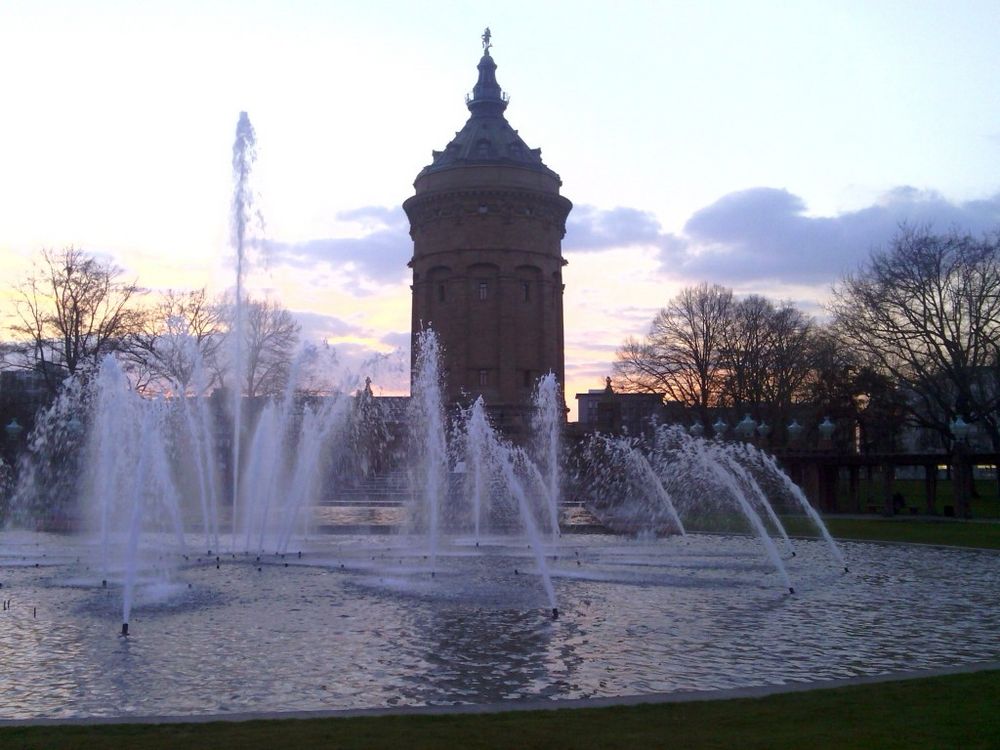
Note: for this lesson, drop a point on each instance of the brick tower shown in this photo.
(487, 223)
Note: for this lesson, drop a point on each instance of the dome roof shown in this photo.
(487, 137)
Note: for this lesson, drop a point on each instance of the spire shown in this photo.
(487, 137)
(487, 98)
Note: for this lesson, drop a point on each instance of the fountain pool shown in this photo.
(358, 621)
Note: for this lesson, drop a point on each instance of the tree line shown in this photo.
(74, 308)
(910, 338)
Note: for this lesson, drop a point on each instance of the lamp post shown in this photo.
(720, 427)
(696, 430)
(962, 480)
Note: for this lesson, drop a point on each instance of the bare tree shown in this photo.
(179, 337)
(682, 354)
(71, 311)
(746, 351)
(270, 338)
(926, 312)
(767, 354)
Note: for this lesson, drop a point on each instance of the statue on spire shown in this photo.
(486, 41)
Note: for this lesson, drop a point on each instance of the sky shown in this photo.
(766, 146)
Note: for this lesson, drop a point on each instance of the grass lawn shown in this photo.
(902, 529)
(917, 530)
(985, 503)
(938, 712)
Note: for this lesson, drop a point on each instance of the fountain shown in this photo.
(230, 537)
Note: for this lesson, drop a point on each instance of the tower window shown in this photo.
(484, 377)
(483, 288)
(526, 289)
(441, 293)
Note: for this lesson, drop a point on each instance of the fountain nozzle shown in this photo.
(555, 613)
(846, 569)
(791, 589)
(125, 630)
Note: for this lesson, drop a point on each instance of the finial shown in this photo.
(607, 385)
(486, 41)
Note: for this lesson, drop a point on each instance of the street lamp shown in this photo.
(826, 428)
(696, 430)
(963, 471)
(763, 429)
(720, 427)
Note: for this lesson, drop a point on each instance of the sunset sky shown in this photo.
(765, 146)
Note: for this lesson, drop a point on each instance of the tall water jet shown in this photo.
(244, 156)
(496, 466)
(547, 422)
(428, 436)
(477, 441)
(507, 460)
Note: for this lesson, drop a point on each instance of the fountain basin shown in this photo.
(359, 621)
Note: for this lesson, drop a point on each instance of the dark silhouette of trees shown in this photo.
(767, 355)
(270, 339)
(179, 337)
(186, 342)
(707, 350)
(70, 312)
(925, 313)
(681, 355)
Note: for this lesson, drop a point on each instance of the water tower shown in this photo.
(487, 223)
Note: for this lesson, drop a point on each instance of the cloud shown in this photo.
(378, 256)
(398, 339)
(593, 371)
(764, 234)
(319, 327)
(590, 229)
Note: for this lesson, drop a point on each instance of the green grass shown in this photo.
(938, 712)
(985, 503)
(902, 529)
(917, 530)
